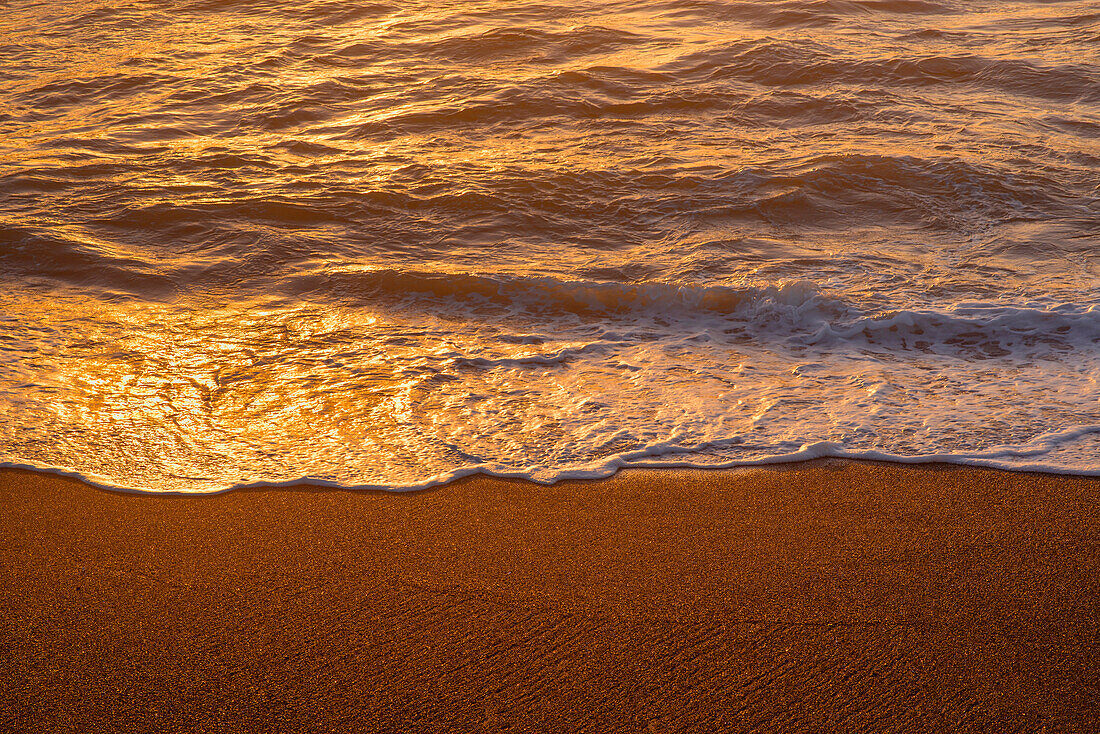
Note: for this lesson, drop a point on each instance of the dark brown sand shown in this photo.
(829, 597)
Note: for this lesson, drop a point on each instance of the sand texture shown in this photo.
(831, 597)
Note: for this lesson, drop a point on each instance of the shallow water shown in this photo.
(389, 244)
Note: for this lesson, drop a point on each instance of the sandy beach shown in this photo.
(829, 596)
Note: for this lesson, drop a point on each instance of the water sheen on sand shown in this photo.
(388, 244)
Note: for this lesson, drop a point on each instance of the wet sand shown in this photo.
(828, 597)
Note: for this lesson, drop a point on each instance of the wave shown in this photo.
(507, 202)
(782, 63)
(796, 312)
(798, 13)
(533, 44)
(981, 330)
(549, 295)
(77, 260)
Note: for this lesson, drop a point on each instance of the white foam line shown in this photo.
(639, 460)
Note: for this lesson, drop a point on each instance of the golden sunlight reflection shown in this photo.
(387, 244)
(225, 379)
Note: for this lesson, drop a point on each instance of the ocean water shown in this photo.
(388, 244)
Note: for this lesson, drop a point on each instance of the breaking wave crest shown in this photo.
(796, 311)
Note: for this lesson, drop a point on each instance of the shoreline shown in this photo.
(823, 596)
(807, 457)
